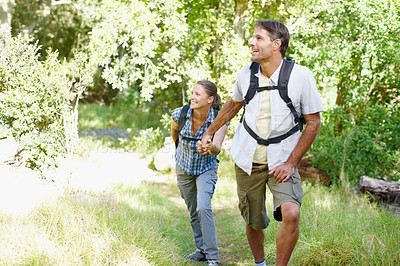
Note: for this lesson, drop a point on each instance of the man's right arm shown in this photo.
(228, 111)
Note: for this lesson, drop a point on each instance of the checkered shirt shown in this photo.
(186, 155)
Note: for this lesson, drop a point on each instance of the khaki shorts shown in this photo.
(251, 191)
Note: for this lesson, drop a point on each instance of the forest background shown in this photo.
(142, 58)
(71, 65)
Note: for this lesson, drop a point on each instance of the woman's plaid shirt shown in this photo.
(186, 155)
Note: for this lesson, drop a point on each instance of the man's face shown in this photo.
(261, 45)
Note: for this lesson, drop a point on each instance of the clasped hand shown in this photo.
(207, 147)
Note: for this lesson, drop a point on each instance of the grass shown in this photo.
(148, 224)
(93, 116)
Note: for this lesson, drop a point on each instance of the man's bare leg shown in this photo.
(256, 242)
(288, 232)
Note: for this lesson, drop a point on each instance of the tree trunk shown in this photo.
(239, 25)
(381, 190)
(312, 174)
(6, 7)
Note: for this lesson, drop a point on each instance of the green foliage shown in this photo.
(125, 117)
(147, 136)
(60, 27)
(366, 144)
(35, 100)
(153, 52)
(161, 48)
(147, 141)
(351, 46)
(217, 51)
(157, 49)
(129, 40)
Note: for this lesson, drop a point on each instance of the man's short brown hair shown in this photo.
(276, 30)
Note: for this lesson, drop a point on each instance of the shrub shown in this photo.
(365, 144)
(36, 100)
(147, 141)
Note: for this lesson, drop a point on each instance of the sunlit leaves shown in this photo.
(352, 46)
(137, 42)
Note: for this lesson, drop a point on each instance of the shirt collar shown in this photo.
(210, 117)
(275, 76)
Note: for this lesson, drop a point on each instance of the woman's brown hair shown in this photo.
(211, 89)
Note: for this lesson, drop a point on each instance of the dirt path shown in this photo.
(21, 189)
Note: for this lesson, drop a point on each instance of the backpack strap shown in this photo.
(182, 117)
(254, 67)
(283, 81)
(181, 121)
(268, 141)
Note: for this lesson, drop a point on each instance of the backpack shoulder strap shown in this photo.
(182, 117)
(181, 121)
(283, 81)
(254, 67)
(216, 112)
(284, 74)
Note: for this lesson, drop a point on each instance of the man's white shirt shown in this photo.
(302, 91)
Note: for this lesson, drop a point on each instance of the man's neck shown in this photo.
(269, 67)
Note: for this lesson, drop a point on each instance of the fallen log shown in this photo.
(387, 192)
(312, 174)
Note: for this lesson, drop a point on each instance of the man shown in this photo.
(267, 114)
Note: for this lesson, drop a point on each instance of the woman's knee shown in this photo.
(204, 209)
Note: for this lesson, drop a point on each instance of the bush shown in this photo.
(36, 100)
(147, 141)
(366, 144)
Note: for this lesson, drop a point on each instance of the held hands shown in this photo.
(282, 172)
(207, 146)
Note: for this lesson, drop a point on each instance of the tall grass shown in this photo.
(148, 225)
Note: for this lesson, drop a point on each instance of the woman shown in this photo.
(197, 173)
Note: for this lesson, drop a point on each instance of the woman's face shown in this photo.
(199, 98)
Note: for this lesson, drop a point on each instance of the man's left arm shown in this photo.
(283, 172)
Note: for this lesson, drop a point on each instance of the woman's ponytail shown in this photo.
(217, 102)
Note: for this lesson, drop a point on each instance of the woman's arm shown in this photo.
(214, 147)
(174, 131)
(218, 139)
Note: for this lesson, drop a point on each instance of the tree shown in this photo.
(58, 25)
(6, 12)
(36, 100)
(352, 46)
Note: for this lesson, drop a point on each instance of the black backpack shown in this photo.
(284, 74)
(182, 120)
